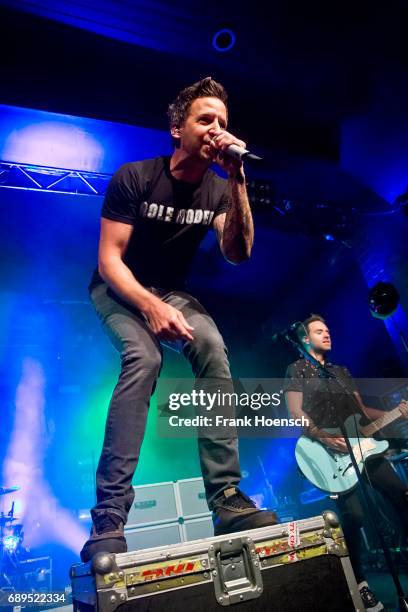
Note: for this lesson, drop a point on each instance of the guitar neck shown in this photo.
(388, 418)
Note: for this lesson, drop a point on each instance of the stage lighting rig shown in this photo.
(325, 220)
(57, 180)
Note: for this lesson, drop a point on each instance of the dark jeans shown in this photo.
(352, 516)
(141, 361)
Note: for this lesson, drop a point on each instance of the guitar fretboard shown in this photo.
(388, 418)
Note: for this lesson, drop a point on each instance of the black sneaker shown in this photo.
(107, 535)
(369, 599)
(235, 511)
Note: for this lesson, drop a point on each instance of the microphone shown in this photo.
(286, 331)
(240, 153)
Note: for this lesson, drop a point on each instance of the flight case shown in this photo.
(289, 567)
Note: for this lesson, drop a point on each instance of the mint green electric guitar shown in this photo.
(332, 471)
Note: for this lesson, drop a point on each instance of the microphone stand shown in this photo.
(327, 374)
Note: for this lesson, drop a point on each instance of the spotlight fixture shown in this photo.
(223, 40)
(383, 299)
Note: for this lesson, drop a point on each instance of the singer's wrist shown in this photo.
(237, 176)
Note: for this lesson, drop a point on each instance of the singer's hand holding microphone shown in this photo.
(230, 151)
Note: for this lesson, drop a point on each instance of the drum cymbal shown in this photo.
(4, 490)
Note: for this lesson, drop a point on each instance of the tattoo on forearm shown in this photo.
(238, 231)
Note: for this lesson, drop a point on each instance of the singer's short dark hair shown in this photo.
(302, 330)
(178, 110)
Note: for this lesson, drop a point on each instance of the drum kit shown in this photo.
(11, 542)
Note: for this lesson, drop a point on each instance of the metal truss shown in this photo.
(56, 180)
(313, 218)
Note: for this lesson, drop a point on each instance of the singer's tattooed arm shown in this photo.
(235, 228)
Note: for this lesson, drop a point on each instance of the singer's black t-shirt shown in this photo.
(170, 219)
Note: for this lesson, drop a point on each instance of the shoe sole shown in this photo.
(240, 526)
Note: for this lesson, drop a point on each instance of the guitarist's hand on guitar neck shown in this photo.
(336, 443)
(404, 409)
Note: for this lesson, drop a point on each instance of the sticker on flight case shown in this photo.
(293, 534)
(157, 571)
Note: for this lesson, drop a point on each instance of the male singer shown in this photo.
(155, 214)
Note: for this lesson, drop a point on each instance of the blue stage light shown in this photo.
(11, 542)
(32, 138)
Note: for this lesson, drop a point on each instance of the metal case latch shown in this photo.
(235, 570)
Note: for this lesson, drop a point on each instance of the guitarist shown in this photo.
(306, 395)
